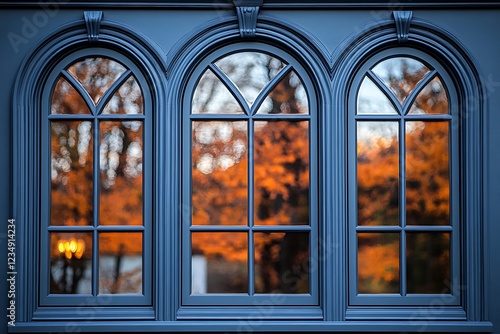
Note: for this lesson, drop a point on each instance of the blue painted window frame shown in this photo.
(264, 299)
(403, 298)
(94, 298)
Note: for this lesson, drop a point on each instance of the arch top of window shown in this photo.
(250, 82)
(95, 85)
(402, 85)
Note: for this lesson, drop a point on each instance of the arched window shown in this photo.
(96, 237)
(404, 194)
(250, 180)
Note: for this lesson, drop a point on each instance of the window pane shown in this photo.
(401, 75)
(378, 262)
(378, 173)
(427, 173)
(432, 99)
(428, 262)
(288, 97)
(71, 263)
(219, 173)
(66, 100)
(281, 173)
(121, 163)
(250, 71)
(212, 97)
(282, 262)
(120, 262)
(371, 100)
(71, 173)
(96, 75)
(127, 100)
(219, 262)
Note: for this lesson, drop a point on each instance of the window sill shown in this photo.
(255, 326)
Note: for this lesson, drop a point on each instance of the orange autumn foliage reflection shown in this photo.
(426, 180)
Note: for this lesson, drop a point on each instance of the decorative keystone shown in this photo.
(403, 21)
(93, 21)
(247, 11)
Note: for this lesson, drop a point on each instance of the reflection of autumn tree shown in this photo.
(279, 172)
(427, 189)
(120, 152)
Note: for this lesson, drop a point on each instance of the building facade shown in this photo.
(250, 166)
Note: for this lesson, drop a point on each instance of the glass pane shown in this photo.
(96, 75)
(288, 97)
(432, 99)
(212, 97)
(378, 262)
(120, 262)
(127, 100)
(281, 173)
(282, 262)
(219, 173)
(427, 173)
(71, 263)
(378, 173)
(250, 71)
(71, 173)
(219, 262)
(401, 75)
(66, 100)
(121, 159)
(428, 262)
(371, 100)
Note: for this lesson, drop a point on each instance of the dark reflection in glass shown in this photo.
(282, 262)
(219, 173)
(121, 159)
(127, 100)
(378, 262)
(371, 100)
(96, 75)
(250, 71)
(219, 262)
(378, 173)
(120, 262)
(432, 99)
(428, 262)
(71, 173)
(66, 100)
(288, 97)
(427, 173)
(401, 75)
(212, 97)
(71, 263)
(281, 173)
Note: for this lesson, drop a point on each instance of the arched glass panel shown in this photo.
(251, 186)
(403, 230)
(99, 233)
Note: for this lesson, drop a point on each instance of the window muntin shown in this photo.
(404, 223)
(252, 227)
(98, 225)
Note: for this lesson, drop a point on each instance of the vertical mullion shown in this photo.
(250, 176)
(95, 213)
(402, 204)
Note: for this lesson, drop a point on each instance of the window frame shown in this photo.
(95, 298)
(263, 299)
(406, 299)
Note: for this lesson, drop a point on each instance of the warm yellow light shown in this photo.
(68, 254)
(72, 245)
(66, 246)
(60, 246)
